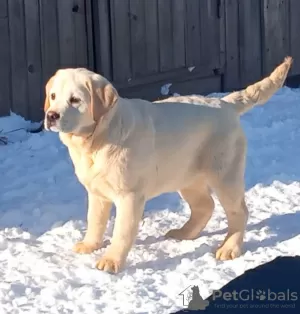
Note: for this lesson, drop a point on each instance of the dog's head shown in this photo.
(76, 100)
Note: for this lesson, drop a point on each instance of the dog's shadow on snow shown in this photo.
(164, 261)
(280, 228)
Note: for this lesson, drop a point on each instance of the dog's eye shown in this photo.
(74, 100)
(53, 96)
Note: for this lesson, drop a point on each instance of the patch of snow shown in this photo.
(43, 208)
(165, 89)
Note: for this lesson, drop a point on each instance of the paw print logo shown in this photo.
(261, 295)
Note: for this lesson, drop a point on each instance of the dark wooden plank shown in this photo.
(34, 59)
(151, 36)
(276, 33)
(178, 27)
(81, 34)
(102, 36)
(3, 8)
(50, 42)
(165, 35)
(193, 39)
(294, 36)
(210, 40)
(137, 34)
(250, 41)
(18, 58)
(5, 84)
(231, 76)
(152, 92)
(200, 71)
(200, 86)
(121, 40)
(222, 23)
(90, 33)
(66, 33)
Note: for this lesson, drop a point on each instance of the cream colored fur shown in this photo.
(126, 151)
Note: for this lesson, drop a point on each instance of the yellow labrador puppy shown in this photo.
(126, 151)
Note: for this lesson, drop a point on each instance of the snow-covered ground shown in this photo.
(42, 214)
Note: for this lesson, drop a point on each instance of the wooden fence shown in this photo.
(200, 46)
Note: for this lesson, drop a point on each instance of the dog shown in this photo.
(127, 151)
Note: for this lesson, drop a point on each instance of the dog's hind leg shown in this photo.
(201, 204)
(230, 190)
(232, 200)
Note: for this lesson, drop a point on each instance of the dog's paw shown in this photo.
(228, 252)
(85, 248)
(109, 264)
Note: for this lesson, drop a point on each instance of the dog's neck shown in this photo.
(82, 141)
(90, 138)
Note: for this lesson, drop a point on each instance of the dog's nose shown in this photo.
(52, 116)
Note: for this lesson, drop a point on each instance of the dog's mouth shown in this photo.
(50, 125)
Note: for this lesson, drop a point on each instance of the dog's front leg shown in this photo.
(129, 213)
(97, 217)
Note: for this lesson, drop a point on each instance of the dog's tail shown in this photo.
(260, 92)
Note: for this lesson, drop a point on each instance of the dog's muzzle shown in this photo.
(51, 118)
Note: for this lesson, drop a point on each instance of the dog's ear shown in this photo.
(103, 97)
(48, 87)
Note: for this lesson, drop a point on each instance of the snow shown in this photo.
(165, 89)
(42, 214)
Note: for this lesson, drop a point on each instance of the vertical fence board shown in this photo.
(250, 41)
(222, 42)
(18, 58)
(121, 40)
(5, 85)
(231, 76)
(34, 62)
(276, 33)
(89, 20)
(80, 32)
(50, 41)
(152, 42)
(102, 37)
(137, 35)
(3, 8)
(165, 35)
(193, 40)
(178, 26)
(294, 35)
(209, 34)
(67, 40)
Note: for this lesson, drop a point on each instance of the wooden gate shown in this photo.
(150, 43)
